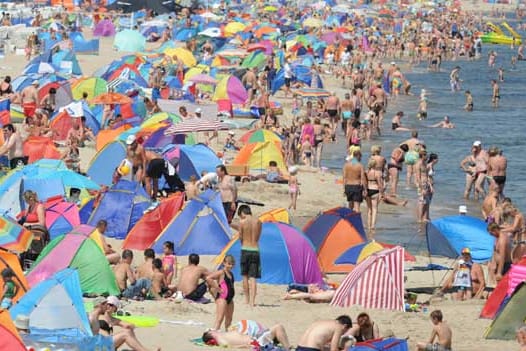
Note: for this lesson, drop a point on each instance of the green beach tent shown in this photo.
(76, 250)
(511, 316)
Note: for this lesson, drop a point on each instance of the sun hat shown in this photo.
(130, 139)
(198, 110)
(98, 301)
(22, 322)
(462, 209)
(113, 300)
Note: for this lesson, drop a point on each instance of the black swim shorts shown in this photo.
(156, 168)
(250, 264)
(198, 293)
(354, 193)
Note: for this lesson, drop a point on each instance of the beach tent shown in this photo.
(387, 344)
(76, 250)
(148, 228)
(93, 86)
(63, 121)
(9, 337)
(332, 232)
(447, 236)
(498, 297)
(104, 28)
(158, 6)
(63, 93)
(201, 227)
(121, 206)
(287, 256)
(377, 282)
(275, 215)
(67, 62)
(61, 217)
(511, 316)
(129, 40)
(57, 315)
(39, 147)
(84, 46)
(191, 160)
(104, 163)
(10, 260)
(258, 155)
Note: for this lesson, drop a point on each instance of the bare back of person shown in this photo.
(353, 174)
(233, 339)
(497, 166)
(145, 270)
(121, 275)
(444, 334)
(250, 228)
(190, 276)
(319, 334)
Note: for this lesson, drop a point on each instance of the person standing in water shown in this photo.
(495, 97)
(469, 101)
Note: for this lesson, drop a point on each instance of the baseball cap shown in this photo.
(198, 110)
(462, 209)
(231, 132)
(35, 82)
(113, 300)
(477, 143)
(461, 262)
(466, 250)
(130, 139)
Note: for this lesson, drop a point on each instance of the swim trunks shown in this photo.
(395, 126)
(250, 263)
(372, 192)
(354, 193)
(29, 109)
(156, 168)
(435, 347)
(500, 180)
(346, 114)
(332, 113)
(198, 293)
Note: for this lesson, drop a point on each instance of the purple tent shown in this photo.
(104, 28)
(287, 256)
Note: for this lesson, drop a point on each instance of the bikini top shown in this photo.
(103, 325)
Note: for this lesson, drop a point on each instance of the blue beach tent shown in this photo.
(201, 227)
(447, 236)
(101, 167)
(122, 206)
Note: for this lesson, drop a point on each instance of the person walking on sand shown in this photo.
(324, 332)
(354, 181)
(294, 188)
(249, 234)
(441, 331)
(221, 285)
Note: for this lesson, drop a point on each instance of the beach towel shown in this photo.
(429, 267)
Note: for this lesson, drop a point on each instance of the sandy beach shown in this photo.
(319, 191)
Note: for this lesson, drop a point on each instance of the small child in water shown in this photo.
(294, 189)
(221, 285)
(10, 288)
(169, 262)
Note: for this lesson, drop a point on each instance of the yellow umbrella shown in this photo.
(312, 22)
(195, 71)
(182, 54)
(234, 27)
(270, 8)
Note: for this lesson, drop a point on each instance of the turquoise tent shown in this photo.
(56, 314)
(129, 40)
(201, 227)
(67, 62)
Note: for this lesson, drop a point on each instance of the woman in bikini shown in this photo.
(221, 285)
(375, 192)
(294, 189)
(318, 142)
(517, 230)
(468, 166)
(394, 167)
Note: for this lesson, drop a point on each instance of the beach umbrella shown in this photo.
(210, 15)
(259, 135)
(182, 54)
(312, 22)
(40, 68)
(13, 236)
(233, 28)
(312, 93)
(104, 28)
(94, 86)
(71, 179)
(254, 59)
(270, 8)
(111, 98)
(63, 94)
(129, 40)
(203, 79)
(161, 117)
(192, 125)
(231, 88)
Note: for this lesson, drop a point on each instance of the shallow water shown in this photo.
(503, 127)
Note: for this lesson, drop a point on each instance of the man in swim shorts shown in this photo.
(441, 331)
(249, 234)
(354, 181)
(29, 97)
(157, 168)
(324, 332)
(192, 282)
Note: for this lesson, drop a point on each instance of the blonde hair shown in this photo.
(371, 163)
(376, 149)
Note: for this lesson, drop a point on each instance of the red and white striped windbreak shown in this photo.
(195, 125)
(377, 282)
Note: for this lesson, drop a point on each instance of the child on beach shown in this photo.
(169, 262)
(221, 285)
(462, 281)
(294, 189)
(441, 331)
(191, 188)
(306, 151)
(10, 288)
